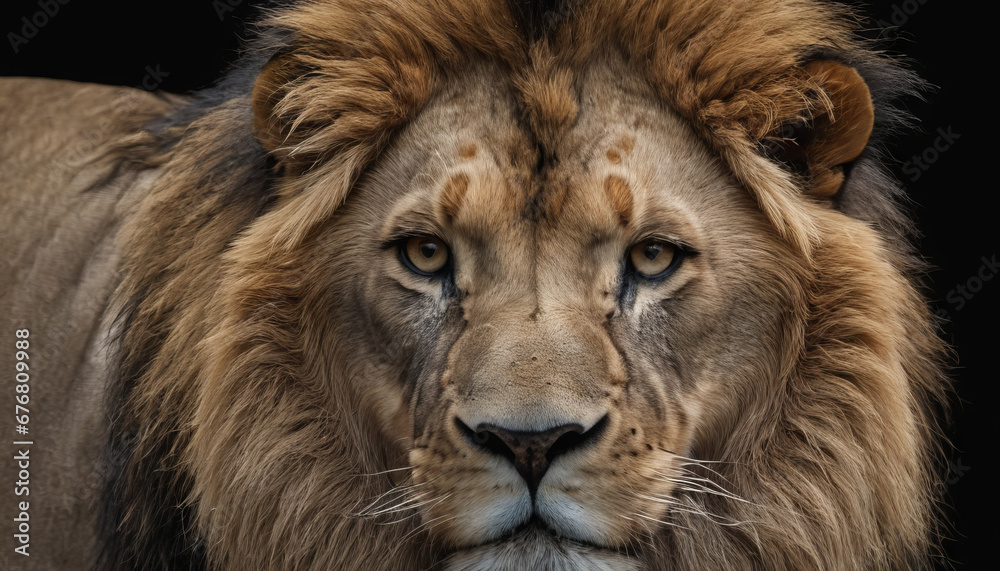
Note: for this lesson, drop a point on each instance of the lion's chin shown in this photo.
(535, 548)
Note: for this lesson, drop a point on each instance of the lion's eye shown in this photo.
(424, 255)
(654, 259)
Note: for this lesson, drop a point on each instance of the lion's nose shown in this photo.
(531, 452)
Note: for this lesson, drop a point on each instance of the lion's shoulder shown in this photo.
(54, 122)
(59, 218)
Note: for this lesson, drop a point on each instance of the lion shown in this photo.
(481, 284)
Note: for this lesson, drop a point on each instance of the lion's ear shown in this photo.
(268, 90)
(836, 132)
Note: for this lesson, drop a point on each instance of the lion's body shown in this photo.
(60, 267)
(275, 379)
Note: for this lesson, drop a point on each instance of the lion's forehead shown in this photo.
(626, 166)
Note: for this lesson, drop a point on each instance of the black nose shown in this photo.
(531, 452)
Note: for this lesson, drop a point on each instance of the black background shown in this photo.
(188, 44)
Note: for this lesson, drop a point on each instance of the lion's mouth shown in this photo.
(536, 530)
(536, 545)
(536, 527)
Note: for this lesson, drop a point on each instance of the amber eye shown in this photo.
(424, 255)
(653, 258)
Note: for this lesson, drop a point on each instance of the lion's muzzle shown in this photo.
(527, 412)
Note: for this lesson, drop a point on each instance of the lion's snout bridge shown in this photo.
(531, 390)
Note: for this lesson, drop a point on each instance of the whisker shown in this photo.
(388, 496)
(692, 477)
(696, 478)
(693, 509)
(699, 461)
(669, 500)
(405, 505)
(715, 493)
(698, 484)
(662, 522)
(700, 464)
(387, 471)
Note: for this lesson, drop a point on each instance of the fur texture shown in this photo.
(284, 387)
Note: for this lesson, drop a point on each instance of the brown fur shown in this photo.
(620, 196)
(285, 387)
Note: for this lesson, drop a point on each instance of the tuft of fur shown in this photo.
(228, 447)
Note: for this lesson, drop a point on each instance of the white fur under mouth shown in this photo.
(538, 549)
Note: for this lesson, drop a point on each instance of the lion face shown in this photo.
(500, 285)
(562, 328)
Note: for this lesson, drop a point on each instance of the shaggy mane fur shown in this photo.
(223, 449)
